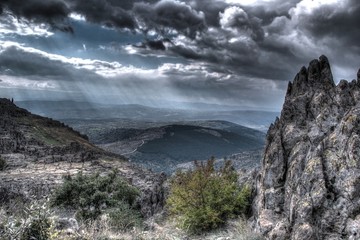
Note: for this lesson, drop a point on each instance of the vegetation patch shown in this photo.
(45, 136)
(94, 195)
(124, 217)
(203, 198)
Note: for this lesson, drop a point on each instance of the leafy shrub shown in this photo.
(124, 217)
(204, 198)
(92, 194)
(2, 164)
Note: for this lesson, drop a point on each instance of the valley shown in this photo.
(162, 146)
(164, 140)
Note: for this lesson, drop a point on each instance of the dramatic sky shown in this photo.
(171, 52)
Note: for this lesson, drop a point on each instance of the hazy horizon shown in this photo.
(190, 106)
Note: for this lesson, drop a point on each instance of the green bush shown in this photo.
(124, 217)
(92, 194)
(2, 164)
(203, 198)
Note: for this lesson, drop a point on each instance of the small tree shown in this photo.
(204, 198)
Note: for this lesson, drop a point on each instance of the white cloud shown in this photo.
(308, 6)
(232, 17)
(25, 83)
(9, 24)
(77, 17)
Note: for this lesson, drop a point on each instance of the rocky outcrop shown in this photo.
(309, 184)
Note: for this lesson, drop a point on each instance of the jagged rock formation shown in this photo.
(309, 184)
(38, 151)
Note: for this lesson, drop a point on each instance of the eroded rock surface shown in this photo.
(309, 184)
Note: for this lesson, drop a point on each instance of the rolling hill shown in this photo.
(163, 148)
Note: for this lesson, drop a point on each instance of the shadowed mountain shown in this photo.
(163, 148)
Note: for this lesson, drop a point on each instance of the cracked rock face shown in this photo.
(309, 184)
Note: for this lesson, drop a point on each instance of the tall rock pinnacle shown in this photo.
(317, 75)
(309, 184)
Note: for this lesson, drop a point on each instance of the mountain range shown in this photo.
(72, 110)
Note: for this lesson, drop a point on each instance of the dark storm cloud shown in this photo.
(170, 14)
(284, 37)
(128, 4)
(111, 13)
(211, 11)
(327, 28)
(335, 22)
(153, 45)
(269, 11)
(50, 11)
(108, 13)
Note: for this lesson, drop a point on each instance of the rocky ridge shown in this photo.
(39, 151)
(309, 184)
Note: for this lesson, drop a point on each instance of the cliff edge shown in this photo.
(309, 184)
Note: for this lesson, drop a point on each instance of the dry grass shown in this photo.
(234, 230)
(156, 229)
